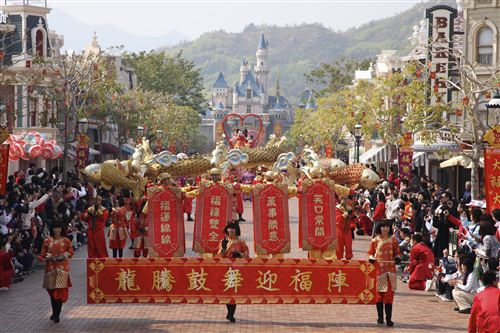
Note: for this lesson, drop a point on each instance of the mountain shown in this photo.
(295, 50)
(78, 34)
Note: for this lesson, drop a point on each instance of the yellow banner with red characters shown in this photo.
(222, 281)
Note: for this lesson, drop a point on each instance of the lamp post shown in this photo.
(357, 135)
(159, 136)
(493, 104)
(140, 134)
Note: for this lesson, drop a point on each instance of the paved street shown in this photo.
(26, 308)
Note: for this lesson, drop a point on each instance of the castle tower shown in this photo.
(244, 68)
(261, 69)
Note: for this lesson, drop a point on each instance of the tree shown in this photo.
(385, 107)
(84, 84)
(171, 75)
(331, 77)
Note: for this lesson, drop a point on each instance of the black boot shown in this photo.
(380, 312)
(231, 309)
(53, 303)
(388, 315)
(190, 219)
(58, 311)
(241, 219)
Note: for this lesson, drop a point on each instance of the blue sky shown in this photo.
(193, 17)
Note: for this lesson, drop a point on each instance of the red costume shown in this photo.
(421, 266)
(118, 229)
(366, 223)
(140, 241)
(379, 212)
(344, 236)
(132, 225)
(187, 203)
(485, 313)
(96, 221)
(384, 251)
(6, 268)
(56, 279)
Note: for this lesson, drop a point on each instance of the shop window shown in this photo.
(485, 46)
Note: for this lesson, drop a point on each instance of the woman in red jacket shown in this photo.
(118, 229)
(379, 212)
(485, 313)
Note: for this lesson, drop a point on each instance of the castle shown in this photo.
(249, 95)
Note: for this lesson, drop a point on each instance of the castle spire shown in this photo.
(262, 42)
(278, 83)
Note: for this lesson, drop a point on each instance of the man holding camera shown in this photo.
(96, 216)
(442, 224)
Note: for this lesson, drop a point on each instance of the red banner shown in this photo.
(222, 281)
(166, 237)
(82, 156)
(4, 167)
(492, 177)
(271, 220)
(317, 215)
(214, 206)
(405, 159)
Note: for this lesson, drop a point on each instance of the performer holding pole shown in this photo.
(384, 253)
(56, 250)
(231, 246)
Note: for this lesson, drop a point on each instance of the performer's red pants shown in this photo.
(344, 242)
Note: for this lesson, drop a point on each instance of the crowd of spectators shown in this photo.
(34, 199)
(448, 243)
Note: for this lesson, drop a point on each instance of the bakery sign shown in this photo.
(3, 17)
(441, 20)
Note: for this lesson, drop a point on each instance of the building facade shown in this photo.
(251, 94)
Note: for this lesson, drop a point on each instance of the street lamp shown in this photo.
(357, 135)
(140, 131)
(159, 135)
(493, 104)
(83, 125)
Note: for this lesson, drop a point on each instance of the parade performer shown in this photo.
(231, 246)
(238, 201)
(130, 216)
(56, 250)
(142, 234)
(344, 236)
(96, 216)
(6, 267)
(187, 202)
(118, 229)
(421, 263)
(384, 253)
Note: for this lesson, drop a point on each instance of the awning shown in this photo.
(72, 150)
(419, 159)
(419, 146)
(108, 148)
(374, 155)
(462, 161)
(128, 148)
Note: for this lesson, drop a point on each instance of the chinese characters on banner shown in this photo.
(82, 156)
(271, 221)
(165, 222)
(216, 280)
(405, 158)
(4, 166)
(213, 211)
(492, 177)
(317, 215)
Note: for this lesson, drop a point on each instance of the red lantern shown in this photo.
(436, 88)
(433, 75)
(458, 112)
(418, 73)
(465, 100)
